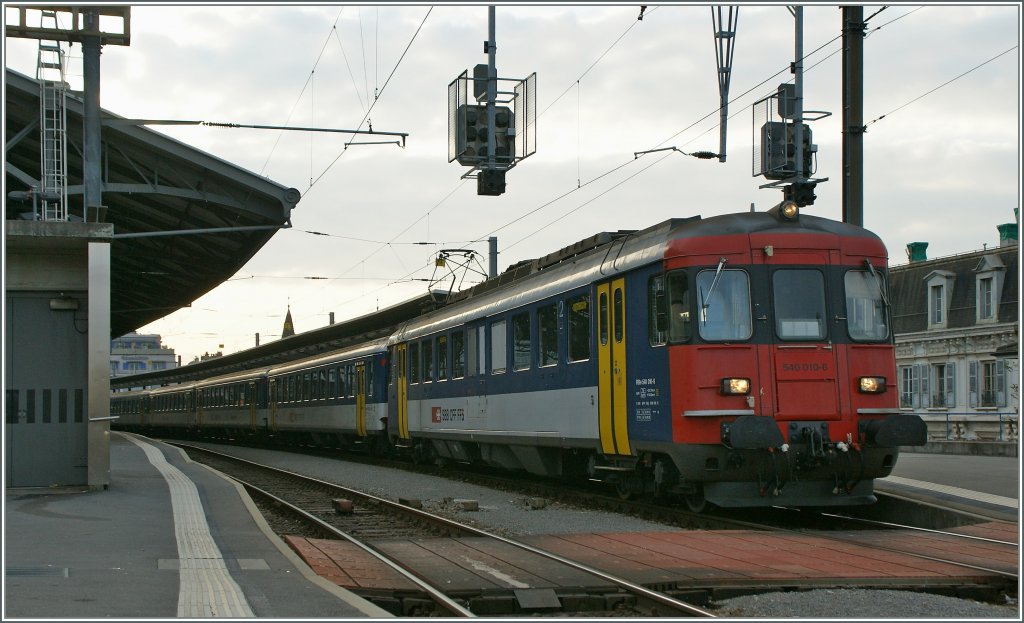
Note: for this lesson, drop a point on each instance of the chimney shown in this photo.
(1007, 234)
(917, 251)
(331, 317)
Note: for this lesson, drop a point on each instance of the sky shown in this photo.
(941, 150)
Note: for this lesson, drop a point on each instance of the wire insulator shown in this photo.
(704, 155)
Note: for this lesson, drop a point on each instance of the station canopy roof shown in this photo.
(184, 220)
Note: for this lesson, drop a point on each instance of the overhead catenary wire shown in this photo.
(370, 109)
(946, 83)
(580, 185)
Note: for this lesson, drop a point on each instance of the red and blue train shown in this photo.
(738, 360)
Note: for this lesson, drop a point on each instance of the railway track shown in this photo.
(316, 503)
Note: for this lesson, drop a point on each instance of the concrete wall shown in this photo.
(56, 354)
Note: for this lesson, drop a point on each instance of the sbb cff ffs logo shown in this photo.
(441, 414)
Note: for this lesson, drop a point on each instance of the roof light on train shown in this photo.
(735, 387)
(871, 384)
(789, 210)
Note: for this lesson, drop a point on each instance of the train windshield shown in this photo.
(724, 311)
(799, 301)
(865, 306)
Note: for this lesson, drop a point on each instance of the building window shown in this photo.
(986, 308)
(940, 293)
(937, 305)
(987, 384)
(943, 385)
(914, 382)
(907, 385)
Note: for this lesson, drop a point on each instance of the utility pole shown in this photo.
(853, 114)
(91, 144)
(798, 100)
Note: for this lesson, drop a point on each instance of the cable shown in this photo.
(370, 109)
(1012, 48)
(299, 98)
(594, 64)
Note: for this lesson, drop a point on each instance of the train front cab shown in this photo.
(781, 363)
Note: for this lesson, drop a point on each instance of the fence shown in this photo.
(972, 426)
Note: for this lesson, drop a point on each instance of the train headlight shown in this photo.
(735, 387)
(789, 210)
(871, 384)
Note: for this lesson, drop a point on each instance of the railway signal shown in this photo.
(490, 136)
(783, 150)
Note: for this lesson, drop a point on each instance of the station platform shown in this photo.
(169, 539)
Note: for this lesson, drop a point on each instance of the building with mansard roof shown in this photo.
(956, 323)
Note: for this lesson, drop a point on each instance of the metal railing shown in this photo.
(968, 424)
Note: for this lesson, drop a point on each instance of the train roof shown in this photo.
(376, 346)
(603, 255)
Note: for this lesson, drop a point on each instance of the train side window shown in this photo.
(442, 357)
(619, 324)
(579, 328)
(350, 374)
(458, 354)
(680, 329)
(521, 351)
(315, 386)
(724, 302)
(657, 314)
(323, 384)
(332, 382)
(865, 306)
(471, 353)
(481, 350)
(306, 389)
(428, 360)
(414, 362)
(499, 348)
(799, 303)
(602, 318)
(547, 335)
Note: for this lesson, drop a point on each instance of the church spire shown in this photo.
(289, 328)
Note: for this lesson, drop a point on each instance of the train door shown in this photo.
(361, 399)
(402, 390)
(611, 359)
(805, 359)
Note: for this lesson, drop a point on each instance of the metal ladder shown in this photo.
(53, 173)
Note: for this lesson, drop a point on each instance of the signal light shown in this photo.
(801, 193)
(871, 384)
(735, 386)
(472, 135)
